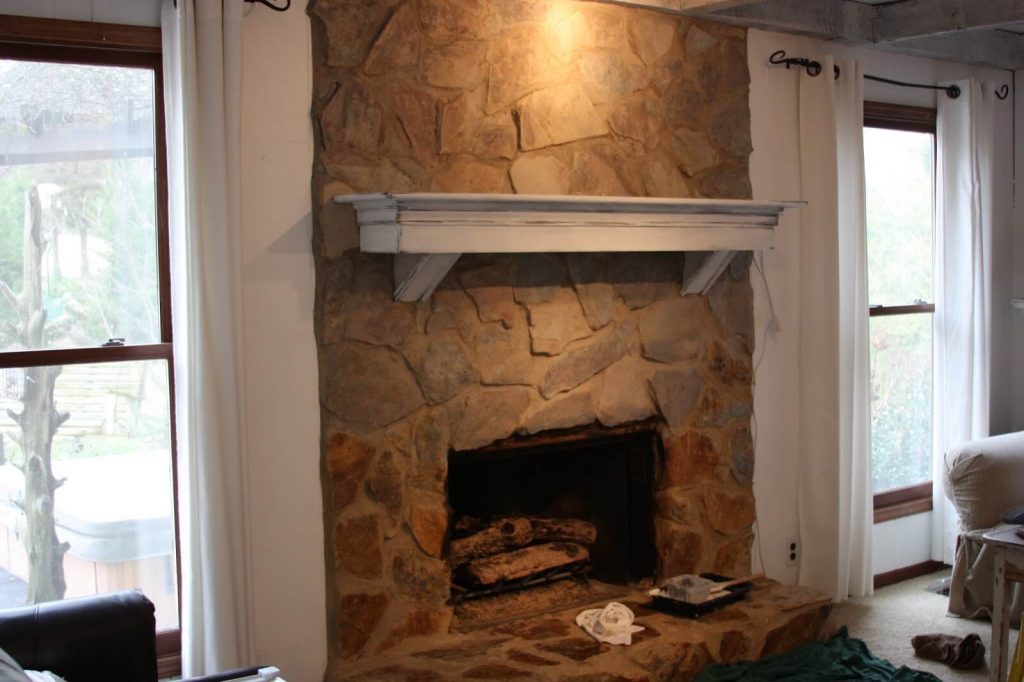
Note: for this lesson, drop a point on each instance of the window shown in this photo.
(87, 500)
(899, 156)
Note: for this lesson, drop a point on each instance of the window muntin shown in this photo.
(106, 158)
(899, 187)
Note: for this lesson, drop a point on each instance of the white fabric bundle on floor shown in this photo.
(612, 624)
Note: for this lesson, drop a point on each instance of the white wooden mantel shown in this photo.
(428, 232)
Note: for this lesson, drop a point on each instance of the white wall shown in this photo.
(283, 417)
(774, 167)
(283, 425)
(134, 12)
(906, 541)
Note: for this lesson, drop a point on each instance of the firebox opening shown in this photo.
(603, 477)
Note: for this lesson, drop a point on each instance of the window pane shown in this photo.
(898, 171)
(115, 508)
(77, 168)
(901, 400)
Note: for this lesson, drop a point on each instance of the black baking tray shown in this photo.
(687, 610)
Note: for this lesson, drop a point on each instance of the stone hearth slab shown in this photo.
(772, 619)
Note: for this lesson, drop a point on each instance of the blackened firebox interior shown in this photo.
(607, 479)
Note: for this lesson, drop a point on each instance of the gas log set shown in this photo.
(511, 553)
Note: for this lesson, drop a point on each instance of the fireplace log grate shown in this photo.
(580, 573)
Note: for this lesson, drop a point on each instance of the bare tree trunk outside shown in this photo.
(39, 419)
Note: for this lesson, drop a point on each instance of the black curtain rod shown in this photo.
(814, 67)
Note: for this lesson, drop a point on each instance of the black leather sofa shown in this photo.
(91, 639)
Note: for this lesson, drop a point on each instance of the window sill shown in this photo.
(902, 502)
(168, 654)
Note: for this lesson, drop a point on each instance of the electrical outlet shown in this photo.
(792, 551)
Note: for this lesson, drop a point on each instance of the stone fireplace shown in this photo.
(505, 352)
(512, 352)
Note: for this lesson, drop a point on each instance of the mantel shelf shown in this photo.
(428, 232)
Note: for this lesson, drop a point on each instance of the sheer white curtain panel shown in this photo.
(202, 43)
(965, 132)
(834, 432)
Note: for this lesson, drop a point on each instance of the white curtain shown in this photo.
(202, 81)
(834, 430)
(963, 286)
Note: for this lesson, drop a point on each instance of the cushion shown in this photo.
(984, 478)
(100, 638)
(1013, 515)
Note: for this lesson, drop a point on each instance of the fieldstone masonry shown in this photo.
(551, 648)
(529, 96)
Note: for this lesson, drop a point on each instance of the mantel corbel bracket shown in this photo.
(428, 232)
(701, 281)
(417, 275)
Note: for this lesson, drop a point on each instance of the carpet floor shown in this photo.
(888, 619)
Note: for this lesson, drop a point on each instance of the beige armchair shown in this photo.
(983, 478)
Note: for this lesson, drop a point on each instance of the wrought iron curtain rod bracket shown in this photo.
(276, 8)
(812, 66)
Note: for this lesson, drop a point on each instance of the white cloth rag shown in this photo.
(612, 624)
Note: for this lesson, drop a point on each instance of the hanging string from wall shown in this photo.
(814, 67)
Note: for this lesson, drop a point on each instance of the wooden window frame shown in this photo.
(100, 44)
(898, 503)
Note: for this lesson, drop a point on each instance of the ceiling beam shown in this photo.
(921, 18)
(685, 6)
(713, 5)
(861, 24)
(997, 49)
(952, 30)
(825, 19)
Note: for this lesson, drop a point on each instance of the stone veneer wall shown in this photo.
(532, 96)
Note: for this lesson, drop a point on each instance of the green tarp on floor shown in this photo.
(840, 658)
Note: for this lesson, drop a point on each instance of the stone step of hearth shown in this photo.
(773, 618)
